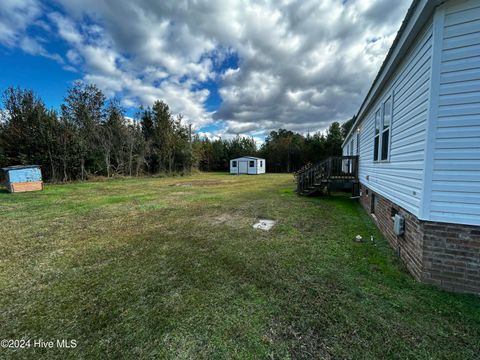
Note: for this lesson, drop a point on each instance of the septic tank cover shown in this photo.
(264, 224)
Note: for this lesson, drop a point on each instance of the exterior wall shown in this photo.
(434, 166)
(451, 256)
(252, 170)
(25, 186)
(261, 166)
(409, 246)
(256, 169)
(455, 145)
(233, 170)
(352, 141)
(445, 255)
(346, 148)
(432, 176)
(236, 170)
(350, 148)
(400, 179)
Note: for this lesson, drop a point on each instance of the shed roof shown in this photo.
(19, 167)
(249, 157)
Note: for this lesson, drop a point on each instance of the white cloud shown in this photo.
(15, 18)
(74, 57)
(301, 64)
(100, 60)
(33, 47)
(66, 28)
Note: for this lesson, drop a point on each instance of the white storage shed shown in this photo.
(247, 165)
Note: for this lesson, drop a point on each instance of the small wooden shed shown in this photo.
(247, 165)
(23, 178)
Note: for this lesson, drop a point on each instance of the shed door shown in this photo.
(243, 167)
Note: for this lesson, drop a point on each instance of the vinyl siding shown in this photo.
(401, 178)
(346, 148)
(346, 151)
(455, 185)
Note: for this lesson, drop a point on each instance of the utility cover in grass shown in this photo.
(265, 224)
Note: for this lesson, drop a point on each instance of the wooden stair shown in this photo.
(322, 177)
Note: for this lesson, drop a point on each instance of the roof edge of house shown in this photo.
(417, 11)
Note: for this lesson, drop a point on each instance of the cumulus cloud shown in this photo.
(16, 16)
(301, 65)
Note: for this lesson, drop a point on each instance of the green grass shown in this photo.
(172, 268)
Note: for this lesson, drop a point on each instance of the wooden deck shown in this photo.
(323, 176)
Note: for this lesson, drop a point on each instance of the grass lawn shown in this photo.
(172, 268)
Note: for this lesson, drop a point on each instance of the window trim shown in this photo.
(357, 150)
(381, 108)
(389, 98)
(377, 152)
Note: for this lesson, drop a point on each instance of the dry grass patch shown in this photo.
(200, 183)
(234, 220)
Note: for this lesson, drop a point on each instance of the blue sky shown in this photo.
(45, 76)
(242, 67)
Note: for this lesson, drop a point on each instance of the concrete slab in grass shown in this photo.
(264, 224)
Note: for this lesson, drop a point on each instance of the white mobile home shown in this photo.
(247, 165)
(417, 137)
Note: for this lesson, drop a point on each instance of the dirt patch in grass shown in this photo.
(222, 219)
(228, 219)
(199, 183)
(180, 184)
(178, 193)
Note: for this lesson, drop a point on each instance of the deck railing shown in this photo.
(335, 168)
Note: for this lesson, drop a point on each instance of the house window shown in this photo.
(234, 164)
(383, 122)
(261, 163)
(358, 143)
(376, 144)
(252, 163)
(387, 120)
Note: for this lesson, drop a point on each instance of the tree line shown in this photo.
(91, 136)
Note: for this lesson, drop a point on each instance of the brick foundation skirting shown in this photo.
(443, 254)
